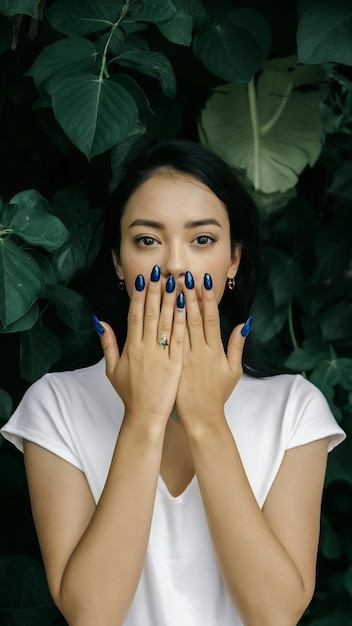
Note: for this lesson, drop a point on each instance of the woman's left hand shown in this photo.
(209, 375)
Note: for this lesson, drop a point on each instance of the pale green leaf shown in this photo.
(20, 282)
(324, 28)
(269, 130)
(20, 7)
(95, 113)
(40, 349)
(74, 17)
(65, 56)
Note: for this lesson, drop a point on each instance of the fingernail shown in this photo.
(155, 275)
(208, 283)
(139, 282)
(97, 325)
(189, 282)
(247, 327)
(170, 284)
(180, 301)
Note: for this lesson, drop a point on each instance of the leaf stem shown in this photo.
(255, 130)
(104, 68)
(283, 102)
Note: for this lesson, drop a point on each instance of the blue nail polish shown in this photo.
(247, 327)
(155, 275)
(189, 282)
(208, 283)
(181, 301)
(139, 283)
(97, 325)
(170, 284)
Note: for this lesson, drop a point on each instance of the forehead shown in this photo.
(174, 194)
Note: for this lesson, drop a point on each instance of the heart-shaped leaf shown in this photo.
(95, 113)
(20, 282)
(323, 30)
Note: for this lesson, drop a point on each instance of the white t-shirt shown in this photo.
(77, 415)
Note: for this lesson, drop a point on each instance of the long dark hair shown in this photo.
(229, 186)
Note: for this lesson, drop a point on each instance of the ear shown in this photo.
(235, 261)
(117, 265)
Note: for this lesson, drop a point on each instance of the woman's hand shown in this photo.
(146, 375)
(208, 375)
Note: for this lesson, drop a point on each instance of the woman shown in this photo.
(174, 488)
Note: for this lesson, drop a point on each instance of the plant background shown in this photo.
(86, 82)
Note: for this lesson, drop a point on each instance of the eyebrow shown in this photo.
(192, 224)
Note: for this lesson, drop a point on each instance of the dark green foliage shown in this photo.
(87, 82)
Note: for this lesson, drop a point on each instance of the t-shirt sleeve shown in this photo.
(311, 417)
(41, 417)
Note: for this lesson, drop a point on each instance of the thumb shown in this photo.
(236, 343)
(108, 343)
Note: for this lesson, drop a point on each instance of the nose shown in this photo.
(175, 262)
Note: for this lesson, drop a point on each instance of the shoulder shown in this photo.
(289, 406)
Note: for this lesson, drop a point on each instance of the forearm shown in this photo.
(260, 575)
(103, 572)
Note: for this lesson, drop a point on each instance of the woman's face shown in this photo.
(175, 221)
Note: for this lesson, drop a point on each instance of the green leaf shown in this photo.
(235, 49)
(323, 30)
(333, 250)
(329, 542)
(6, 34)
(40, 229)
(194, 8)
(25, 322)
(69, 303)
(20, 282)
(286, 277)
(345, 368)
(268, 129)
(95, 113)
(31, 200)
(65, 56)
(269, 319)
(155, 11)
(40, 349)
(24, 594)
(118, 155)
(153, 64)
(5, 405)
(309, 356)
(20, 7)
(336, 322)
(74, 17)
(341, 184)
(178, 29)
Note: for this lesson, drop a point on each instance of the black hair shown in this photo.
(229, 185)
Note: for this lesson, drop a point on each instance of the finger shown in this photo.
(194, 316)
(109, 345)
(167, 310)
(211, 317)
(236, 344)
(178, 329)
(135, 317)
(152, 308)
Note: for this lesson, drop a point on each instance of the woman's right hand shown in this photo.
(146, 375)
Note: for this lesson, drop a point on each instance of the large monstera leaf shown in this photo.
(269, 128)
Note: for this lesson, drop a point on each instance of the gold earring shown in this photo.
(231, 283)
